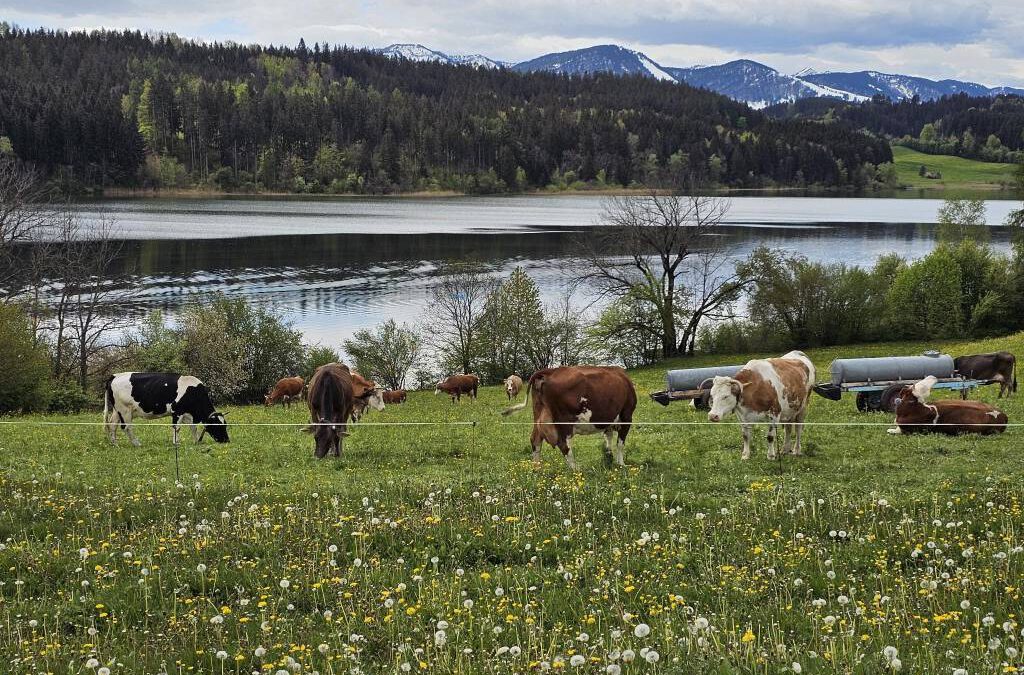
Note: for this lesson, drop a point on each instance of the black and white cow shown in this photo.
(149, 395)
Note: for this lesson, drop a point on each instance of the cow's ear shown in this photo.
(737, 387)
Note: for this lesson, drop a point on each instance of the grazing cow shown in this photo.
(457, 385)
(513, 385)
(776, 390)
(286, 390)
(579, 400)
(395, 396)
(366, 394)
(1000, 367)
(914, 415)
(152, 395)
(330, 406)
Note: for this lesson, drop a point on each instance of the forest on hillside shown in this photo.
(985, 128)
(103, 109)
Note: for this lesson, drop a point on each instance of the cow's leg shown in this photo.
(338, 442)
(747, 429)
(126, 418)
(174, 428)
(565, 445)
(773, 431)
(620, 446)
(536, 441)
(798, 428)
(112, 423)
(609, 434)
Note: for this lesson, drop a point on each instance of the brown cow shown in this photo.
(513, 385)
(367, 394)
(457, 385)
(395, 396)
(286, 390)
(914, 415)
(772, 390)
(999, 367)
(579, 400)
(330, 406)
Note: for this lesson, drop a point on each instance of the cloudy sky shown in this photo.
(965, 39)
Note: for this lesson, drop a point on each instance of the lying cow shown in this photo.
(150, 395)
(457, 385)
(999, 367)
(914, 415)
(772, 390)
(395, 396)
(579, 400)
(513, 385)
(366, 395)
(286, 390)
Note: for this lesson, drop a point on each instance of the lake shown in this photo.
(332, 266)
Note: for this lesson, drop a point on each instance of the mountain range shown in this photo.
(744, 80)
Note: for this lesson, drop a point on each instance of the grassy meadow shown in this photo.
(958, 173)
(442, 549)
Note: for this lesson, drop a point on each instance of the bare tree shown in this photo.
(658, 250)
(456, 304)
(24, 215)
(387, 353)
(84, 311)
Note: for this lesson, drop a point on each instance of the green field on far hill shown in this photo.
(442, 549)
(957, 173)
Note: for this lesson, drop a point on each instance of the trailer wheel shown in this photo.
(869, 401)
(887, 403)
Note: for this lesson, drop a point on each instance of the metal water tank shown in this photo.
(688, 379)
(891, 368)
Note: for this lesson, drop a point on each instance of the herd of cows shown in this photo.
(567, 401)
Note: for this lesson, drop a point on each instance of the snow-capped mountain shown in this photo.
(755, 83)
(744, 80)
(600, 59)
(417, 52)
(870, 83)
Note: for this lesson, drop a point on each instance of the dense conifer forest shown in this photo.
(986, 128)
(128, 109)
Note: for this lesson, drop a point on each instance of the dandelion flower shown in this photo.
(284, 583)
(628, 655)
(642, 630)
(577, 660)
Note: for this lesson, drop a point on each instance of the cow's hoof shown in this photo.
(894, 431)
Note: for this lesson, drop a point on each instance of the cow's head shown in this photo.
(266, 400)
(725, 396)
(374, 398)
(437, 387)
(327, 433)
(217, 426)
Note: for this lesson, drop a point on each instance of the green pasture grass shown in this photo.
(957, 172)
(443, 549)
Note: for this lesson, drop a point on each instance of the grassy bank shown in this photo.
(957, 173)
(443, 548)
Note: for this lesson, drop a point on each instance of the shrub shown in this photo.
(926, 298)
(25, 373)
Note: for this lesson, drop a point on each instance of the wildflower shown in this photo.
(217, 620)
(514, 651)
(642, 630)
(442, 625)
(284, 583)
(222, 655)
(652, 656)
(797, 668)
(333, 548)
(701, 623)
(440, 638)
(577, 660)
(748, 636)
(92, 663)
(201, 568)
(613, 669)
(628, 655)
(259, 652)
(890, 653)
(960, 671)
(103, 671)
(896, 665)
(323, 648)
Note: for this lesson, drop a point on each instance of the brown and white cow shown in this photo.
(579, 400)
(773, 390)
(513, 385)
(457, 385)
(286, 390)
(999, 367)
(914, 415)
(395, 396)
(366, 395)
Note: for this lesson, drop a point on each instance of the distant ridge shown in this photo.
(744, 80)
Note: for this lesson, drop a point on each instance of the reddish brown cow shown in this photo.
(286, 390)
(457, 385)
(579, 400)
(914, 415)
(395, 396)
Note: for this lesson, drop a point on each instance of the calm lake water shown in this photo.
(333, 266)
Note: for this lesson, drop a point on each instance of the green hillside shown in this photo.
(957, 172)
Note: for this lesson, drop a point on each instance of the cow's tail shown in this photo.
(108, 398)
(1014, 389)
